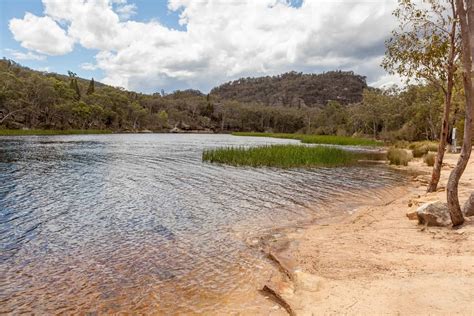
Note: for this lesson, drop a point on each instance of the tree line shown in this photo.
(33, 99)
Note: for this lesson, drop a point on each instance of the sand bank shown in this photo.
(376, 261)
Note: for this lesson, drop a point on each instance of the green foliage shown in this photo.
(410, 114)
(419, 149)
(91, 88)
(35, 100)
(74, 85)
(317, 139)
(332, 119)
(20, 132)
(429, 159)
(163, 119)
(420, 47)
(282, 156)
(397, 156)
(295, 89)
(401, 144)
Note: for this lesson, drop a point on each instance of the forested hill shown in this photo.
(32, 99)
(295, 89)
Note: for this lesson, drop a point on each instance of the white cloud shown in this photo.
(17, 55)
(387, 81)
(224, 40)
(41, 34)
(126, 11)
(88, 66)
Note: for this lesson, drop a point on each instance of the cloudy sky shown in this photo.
(149, 45)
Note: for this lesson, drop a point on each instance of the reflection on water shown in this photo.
(113, 223)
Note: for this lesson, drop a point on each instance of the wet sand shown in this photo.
(376, 261)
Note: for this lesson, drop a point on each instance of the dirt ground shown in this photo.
(377, 261)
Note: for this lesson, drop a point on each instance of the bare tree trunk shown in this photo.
(435, 175)
(453, 182)
(135, 123)
(447, 107)
(470, 18)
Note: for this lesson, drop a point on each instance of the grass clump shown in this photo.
(316, 139)
(420, 149)
(282, 156)
(429, 159)
(20, 132)
(401, 144)
(398, 156)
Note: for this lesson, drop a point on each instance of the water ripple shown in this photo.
(113, 223)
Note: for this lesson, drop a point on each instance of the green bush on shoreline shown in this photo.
(282, 156)
(420, 149)
(398, 156)
(316, 139)
(429, 159)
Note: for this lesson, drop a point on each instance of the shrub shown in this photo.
(401, 144)
(429, 159)
(397, 156)
(420, 149)
(432, 146)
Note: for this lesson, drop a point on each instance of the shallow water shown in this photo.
(110, 223)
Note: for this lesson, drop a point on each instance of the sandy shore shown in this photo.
(376, 261)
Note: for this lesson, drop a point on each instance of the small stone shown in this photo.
(412, 216)
(433, 214)
(468, 208)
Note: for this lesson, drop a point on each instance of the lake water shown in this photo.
(110, 223)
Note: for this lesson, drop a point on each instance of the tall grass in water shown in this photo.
(19, 132)
(282, 156)
(316, 139)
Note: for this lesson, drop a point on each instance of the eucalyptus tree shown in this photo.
(91, 88)
(73, 84)
(12, 96)
(466, 20)
(426, 47)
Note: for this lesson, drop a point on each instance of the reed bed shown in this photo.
(317, 139)
(282, 156)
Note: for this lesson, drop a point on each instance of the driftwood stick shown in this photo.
(275, 296)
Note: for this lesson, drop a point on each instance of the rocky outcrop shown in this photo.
(433, 214)
(468, 208)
